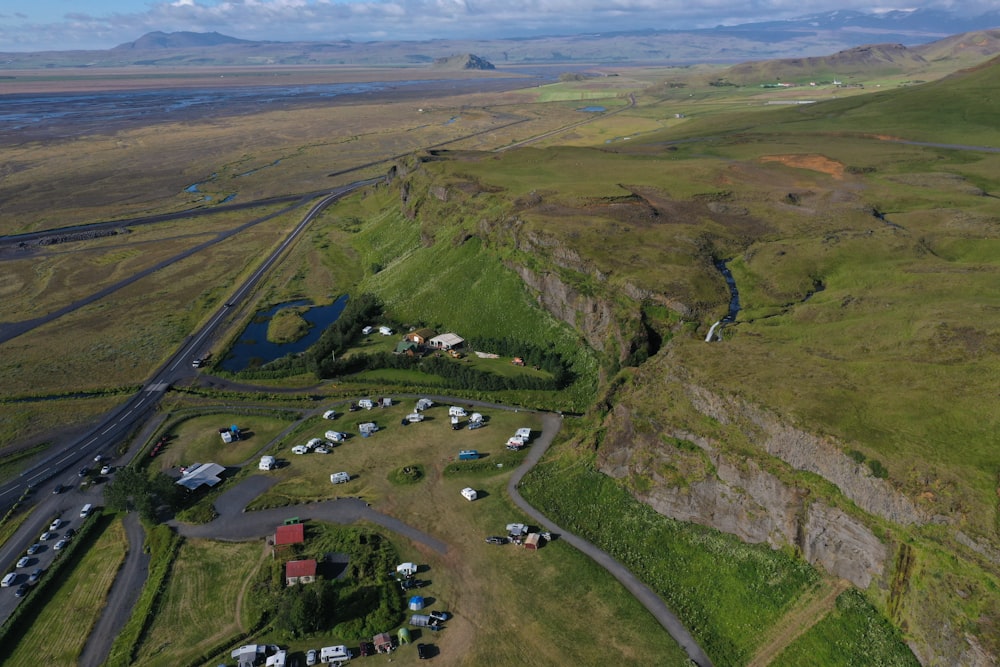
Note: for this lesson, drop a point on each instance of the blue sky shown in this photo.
(35, 25)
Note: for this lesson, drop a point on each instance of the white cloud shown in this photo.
(362, 20)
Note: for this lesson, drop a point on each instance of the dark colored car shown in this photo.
(21, 591)
(423, 651)
(367, 648)
(69, 532)
(407, 584)
(495, 539)
(83, 471)
(58, 488)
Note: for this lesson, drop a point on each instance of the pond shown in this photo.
(253, 349)
(592, 109)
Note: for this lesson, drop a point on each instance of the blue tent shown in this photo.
(416, 603)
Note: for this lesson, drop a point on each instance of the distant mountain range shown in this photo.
(803, 37)
(948, 54)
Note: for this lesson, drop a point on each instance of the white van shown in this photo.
(9, 580)
(340, 477)
(455, 411)
(329, 654)
(85, 510)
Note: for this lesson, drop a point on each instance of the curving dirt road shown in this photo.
(643, 593)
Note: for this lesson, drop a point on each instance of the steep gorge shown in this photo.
(709, 457)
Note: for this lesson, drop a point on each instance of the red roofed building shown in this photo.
(293, 534)
(300, 572)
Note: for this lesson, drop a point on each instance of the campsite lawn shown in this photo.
(59, 632)
(431, 443)
(202, 602)
(197, 440)
(510, 606)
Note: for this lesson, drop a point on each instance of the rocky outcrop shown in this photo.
(806, 451)
(464, 61)
(738, 497)
(591, 316)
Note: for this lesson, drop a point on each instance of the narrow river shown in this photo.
(734, 302)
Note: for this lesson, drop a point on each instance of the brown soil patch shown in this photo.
(818, 163)
(810, 610)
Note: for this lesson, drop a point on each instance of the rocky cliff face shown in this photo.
(808, 452)
(739, 497)
(591, 316)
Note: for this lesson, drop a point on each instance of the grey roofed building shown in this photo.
(201, 474)
(446, 341)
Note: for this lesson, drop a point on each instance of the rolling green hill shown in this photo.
(844, 416)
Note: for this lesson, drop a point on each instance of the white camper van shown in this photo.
(340, 477)
(334, 654)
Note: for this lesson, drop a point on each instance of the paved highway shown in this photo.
(61, 464)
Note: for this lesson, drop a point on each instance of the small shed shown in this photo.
(383, 642)
(300, 572)
(290, 534)
(533, 541)
(407, 347)
(404, 636)
(416, 603)
(420, 336)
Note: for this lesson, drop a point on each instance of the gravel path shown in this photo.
(234, 523)
(123, 595)
(643, 593)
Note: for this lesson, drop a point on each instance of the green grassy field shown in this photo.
(877, 335)
(431, 443)
(196, 439)
(854, 628)
(726, 593)
(201, 607)
(59, 632)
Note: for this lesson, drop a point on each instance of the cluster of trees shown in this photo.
(358, 312)
(456, 375)
(545, 358)
(307, 609)
(325, 358)
(133, 490)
